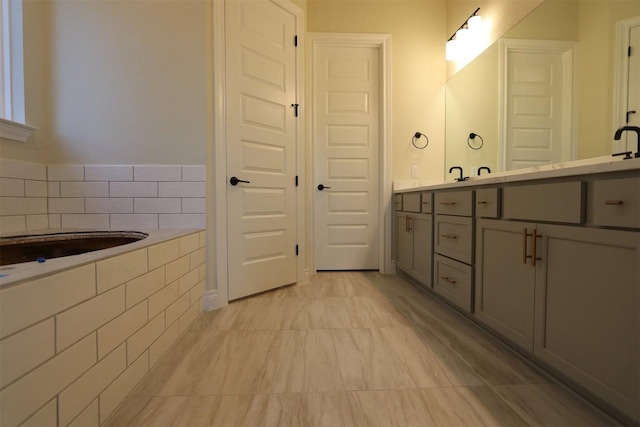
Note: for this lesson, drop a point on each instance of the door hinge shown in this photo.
(296, 180)
(295, 108)
(295, 40)
(296, 250)
(629, 51)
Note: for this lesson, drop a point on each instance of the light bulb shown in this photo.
(475, 24)
(452, 50)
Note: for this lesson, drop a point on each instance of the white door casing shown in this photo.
(256, 138)
(537, 103)
(345, 139)
(341, 133)
(627, 83)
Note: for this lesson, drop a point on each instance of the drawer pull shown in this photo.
(448, 203)
(425, 203)
(613, 202)
(483, 203)
(449, 236)
(448, 280)
(534, 242)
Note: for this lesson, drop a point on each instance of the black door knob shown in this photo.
(234, 181)
(322, 187)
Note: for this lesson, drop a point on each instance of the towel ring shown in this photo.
(417, 136)
(472, 137)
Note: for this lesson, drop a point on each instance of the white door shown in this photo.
(633, 98)
(261, 143)
(538, 121)
(346, 120)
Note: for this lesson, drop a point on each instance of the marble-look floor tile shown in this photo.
(300, 361)
(491, 360)
(426, 359)
(550, 405)
(235, 367)
(237, 315)
(179, 372)
(469, 406)
(367, 363)
(347, 349)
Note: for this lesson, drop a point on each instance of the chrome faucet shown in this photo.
(635, 129)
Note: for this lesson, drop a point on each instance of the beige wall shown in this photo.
(418, 70)
(498, 15)
(117, 82)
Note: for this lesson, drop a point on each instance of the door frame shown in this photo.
(621, 74)
(383, 43)
(217, 292)
(569, 61)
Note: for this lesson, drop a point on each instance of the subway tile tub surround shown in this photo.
(75, 342)
(140, 197)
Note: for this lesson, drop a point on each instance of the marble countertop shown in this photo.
(557, 170)
(15, 273)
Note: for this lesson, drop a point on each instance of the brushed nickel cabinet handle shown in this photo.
(449, 236)
(613, 202)
(448, 280)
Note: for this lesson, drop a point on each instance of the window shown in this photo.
(12, 112)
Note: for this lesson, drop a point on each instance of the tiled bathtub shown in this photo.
(77, 334)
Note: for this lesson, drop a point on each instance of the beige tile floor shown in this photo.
(348, 349)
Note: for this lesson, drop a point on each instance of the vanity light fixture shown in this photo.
(459, 42)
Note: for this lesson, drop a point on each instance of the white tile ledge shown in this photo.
(17, 273)
(557, 170)
(15, 131)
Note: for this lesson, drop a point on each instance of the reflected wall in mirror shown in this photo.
(474, 102)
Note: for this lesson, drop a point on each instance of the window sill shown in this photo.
(15, 131)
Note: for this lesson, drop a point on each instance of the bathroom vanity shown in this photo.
(547, 259)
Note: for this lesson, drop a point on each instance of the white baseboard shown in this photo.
(211, 300)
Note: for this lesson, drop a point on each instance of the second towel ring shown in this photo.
(472, 137)
(417, 136)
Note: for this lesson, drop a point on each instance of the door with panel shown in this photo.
(505, 280)
(346, 136)
(587, 320)
(538, 109)
(261, 146)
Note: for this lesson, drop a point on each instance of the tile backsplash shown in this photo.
(141, 197)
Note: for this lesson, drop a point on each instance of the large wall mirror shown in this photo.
(501, 96)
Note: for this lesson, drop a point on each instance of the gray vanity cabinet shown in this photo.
(505, 284)
(414, 240)
(587, 310)
(577, 309)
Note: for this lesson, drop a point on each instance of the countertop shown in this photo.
(578, 167)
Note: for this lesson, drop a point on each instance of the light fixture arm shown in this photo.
(463, 24)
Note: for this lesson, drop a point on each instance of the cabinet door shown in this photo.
(422, 248)
(504, 293)
(404, 243)
(587, 310)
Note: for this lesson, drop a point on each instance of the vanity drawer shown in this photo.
(454, 203)
(453, 237)
(488, 203)
(411, 202)
(427, 202)
(615, 202)
(557, 202)
(397, 202)
(452, 280)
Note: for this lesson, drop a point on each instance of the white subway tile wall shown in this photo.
(75, 344)
(143, 197)
(23, 196)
